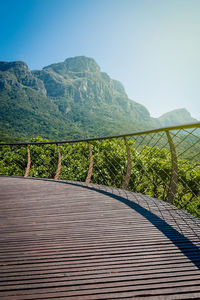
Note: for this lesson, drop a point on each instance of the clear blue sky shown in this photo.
(151, 46)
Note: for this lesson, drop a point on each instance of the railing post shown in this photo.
(28, 162)
(174, 175)
(89, 175)
(128, 169)
(59, 164)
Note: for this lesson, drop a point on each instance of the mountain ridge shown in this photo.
(70, 99)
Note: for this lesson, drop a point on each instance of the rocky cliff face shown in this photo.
(80, 83)
(68, 99)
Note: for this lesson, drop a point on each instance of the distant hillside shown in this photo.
(71, 99)
(5, 138)
(175, 117)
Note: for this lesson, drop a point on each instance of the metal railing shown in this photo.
(163, 163)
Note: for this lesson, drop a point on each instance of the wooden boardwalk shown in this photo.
(67, 241)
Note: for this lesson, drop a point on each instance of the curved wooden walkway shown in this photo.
(62, 240)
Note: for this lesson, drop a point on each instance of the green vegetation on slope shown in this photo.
(5, 138)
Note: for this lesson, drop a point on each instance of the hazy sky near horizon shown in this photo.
(151, 46)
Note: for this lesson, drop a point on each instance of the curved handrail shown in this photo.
(162, 162)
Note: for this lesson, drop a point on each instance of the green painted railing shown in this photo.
(162, 163)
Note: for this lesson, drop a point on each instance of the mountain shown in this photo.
(71, 99)
(175, 117)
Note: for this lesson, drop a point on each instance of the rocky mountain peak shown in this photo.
(18, 66)
(81, 64)
(16, 73)
(175, 117)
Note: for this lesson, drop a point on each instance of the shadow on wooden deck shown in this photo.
(171, 233)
